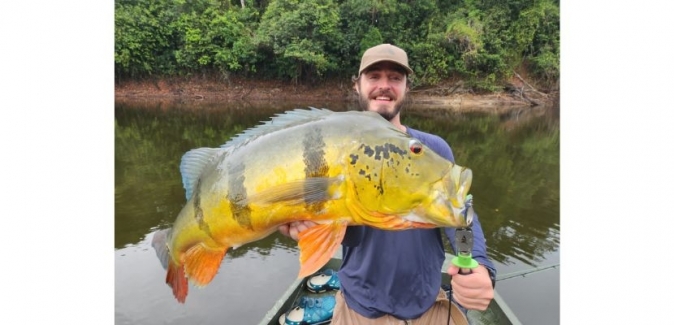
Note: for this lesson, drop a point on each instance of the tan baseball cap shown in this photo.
(384, 52)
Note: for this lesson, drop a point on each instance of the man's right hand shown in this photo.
(293, 229)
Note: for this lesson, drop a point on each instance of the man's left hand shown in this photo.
(472, 291)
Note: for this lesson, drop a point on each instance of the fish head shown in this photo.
(448, 203)
(396, 175)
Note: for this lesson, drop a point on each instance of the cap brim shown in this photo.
(369, 64)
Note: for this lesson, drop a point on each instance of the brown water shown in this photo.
(514, 158)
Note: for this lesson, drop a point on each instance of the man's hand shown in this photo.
(472, 291)
(293, 229)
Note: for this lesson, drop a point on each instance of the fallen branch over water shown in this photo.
(522, 92)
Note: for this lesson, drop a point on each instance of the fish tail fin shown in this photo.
(318, 244)
(202, 263)
(200, 266)
(175, 274)
(161, 249)
(175, 278)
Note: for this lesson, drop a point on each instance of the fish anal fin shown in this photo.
(175, 278)
(318, 244)
(202, 263)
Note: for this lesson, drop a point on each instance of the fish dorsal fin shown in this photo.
(280, 121)
(193, 164)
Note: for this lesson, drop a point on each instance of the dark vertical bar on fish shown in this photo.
(238, 193)
(313, 154)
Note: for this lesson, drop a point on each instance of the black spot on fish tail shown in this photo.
(238, 193)
(198, 212)
(315, 165)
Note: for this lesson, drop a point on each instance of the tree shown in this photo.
(300, 34)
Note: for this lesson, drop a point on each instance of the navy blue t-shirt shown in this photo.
(399, 272)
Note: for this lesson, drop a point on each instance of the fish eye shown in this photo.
(415, 147)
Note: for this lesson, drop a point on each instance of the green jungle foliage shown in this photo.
(480, 41)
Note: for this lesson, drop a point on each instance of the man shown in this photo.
(391, 277)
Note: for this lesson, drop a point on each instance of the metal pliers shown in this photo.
(463, 241)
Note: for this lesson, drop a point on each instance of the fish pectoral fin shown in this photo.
(309, 190)
(202, 263)
(318, 244)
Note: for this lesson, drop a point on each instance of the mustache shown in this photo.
(384, 93)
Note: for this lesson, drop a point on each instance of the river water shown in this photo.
(515, 161)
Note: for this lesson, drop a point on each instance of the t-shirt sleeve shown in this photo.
(443, 149)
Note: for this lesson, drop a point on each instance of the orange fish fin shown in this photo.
(318, 244)
(202, 263)
(175, 278)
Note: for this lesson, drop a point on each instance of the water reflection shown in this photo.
(247, 284)
(514, 158)
(515, 167)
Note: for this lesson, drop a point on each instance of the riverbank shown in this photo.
(450, 95)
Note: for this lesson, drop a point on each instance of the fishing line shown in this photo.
(448, 288)
(449, 312)
(526, 272)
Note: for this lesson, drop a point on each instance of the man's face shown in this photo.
(382, 88)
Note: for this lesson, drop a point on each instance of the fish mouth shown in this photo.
(452, 200)
(450, 205)
(457, 182)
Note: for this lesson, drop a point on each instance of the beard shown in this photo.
(364, 103)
